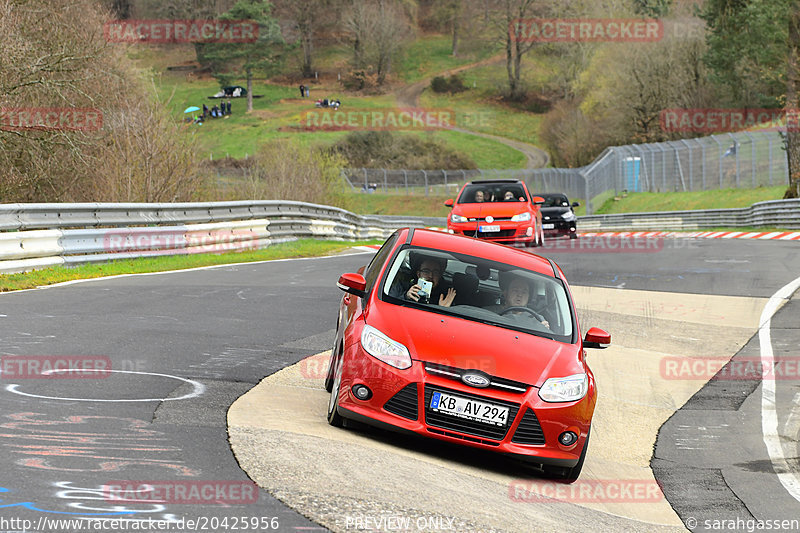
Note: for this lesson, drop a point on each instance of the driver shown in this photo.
(516, 293)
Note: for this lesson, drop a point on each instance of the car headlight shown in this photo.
(566, 389)
(457, 219)
(522, 217)
(381, 347)
(568, 216)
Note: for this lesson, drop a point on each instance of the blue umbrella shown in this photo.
(191, 109)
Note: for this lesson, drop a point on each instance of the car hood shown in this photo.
(453, 341)
(497, 210)
(554, 211)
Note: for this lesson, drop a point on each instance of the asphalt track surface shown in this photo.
(185, 345)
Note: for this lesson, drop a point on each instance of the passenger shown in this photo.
(508, 196)
(429, 269)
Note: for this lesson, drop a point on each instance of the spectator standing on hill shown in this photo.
(302, 90)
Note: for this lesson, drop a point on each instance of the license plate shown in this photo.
(470, 409)
(548, 226)
(488, 229)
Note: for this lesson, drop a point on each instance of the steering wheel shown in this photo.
(528, 310)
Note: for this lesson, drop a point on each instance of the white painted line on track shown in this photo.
(361, 251)
(197, 389)
(769, 412)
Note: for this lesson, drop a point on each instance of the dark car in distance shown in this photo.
(558, 218)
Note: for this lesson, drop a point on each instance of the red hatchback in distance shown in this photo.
(468, 342)
(497, 210)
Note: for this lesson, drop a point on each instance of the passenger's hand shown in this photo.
(413, 292)
(445, 300)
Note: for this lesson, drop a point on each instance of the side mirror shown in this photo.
(575, 204)
(538, 200)
(353, 283)
(449, 202)
(596, 338)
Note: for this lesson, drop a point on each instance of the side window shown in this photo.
(374, 268)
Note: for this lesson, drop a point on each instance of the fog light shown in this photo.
(529, 232)
(567, 438)
(362, 392)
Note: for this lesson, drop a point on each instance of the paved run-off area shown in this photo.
(351, 479)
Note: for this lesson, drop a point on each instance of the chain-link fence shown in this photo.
(733, 160)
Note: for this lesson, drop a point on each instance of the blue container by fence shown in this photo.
(631, 166)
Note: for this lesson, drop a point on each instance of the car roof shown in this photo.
(448, 242)
(494, 181)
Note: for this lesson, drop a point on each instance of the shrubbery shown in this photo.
(382, 149)
(453, 84)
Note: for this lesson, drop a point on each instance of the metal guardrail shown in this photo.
(783, 214)
(40, 235)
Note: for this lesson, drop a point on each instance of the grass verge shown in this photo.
(49, 276)
(645, 202)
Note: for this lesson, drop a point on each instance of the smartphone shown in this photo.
(425, 288)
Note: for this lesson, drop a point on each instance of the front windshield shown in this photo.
(481, 290)
(555, 201)
(492, 192)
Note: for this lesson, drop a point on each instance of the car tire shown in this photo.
(569, 475)
(329, 373)
(334, 418)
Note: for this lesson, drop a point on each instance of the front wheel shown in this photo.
(331, 368)
(570, 475)
(334, 418)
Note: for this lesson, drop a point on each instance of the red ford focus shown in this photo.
(468, 342)
(497, 210)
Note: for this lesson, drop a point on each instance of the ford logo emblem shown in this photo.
(476, 380)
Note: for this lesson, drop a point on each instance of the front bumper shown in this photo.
(401, 399)
(508, 233)
(559, 227)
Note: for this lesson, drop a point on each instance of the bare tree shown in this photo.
(306, 19)
(67, 63)
(507, 16)
(377, 31)
(793, 103)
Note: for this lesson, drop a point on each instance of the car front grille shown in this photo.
(470, 427)
(503, 233)
(404, 403)
(454, 373)
(529, 431)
